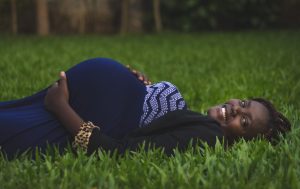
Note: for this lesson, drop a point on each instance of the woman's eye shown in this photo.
(243, 103)
(244, 122)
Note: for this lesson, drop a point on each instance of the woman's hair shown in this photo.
(277, 124)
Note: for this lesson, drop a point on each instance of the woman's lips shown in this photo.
(224, 113)
(228, 112)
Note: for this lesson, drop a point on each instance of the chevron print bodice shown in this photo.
(161, 98)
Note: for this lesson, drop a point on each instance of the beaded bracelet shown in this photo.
(82, 138)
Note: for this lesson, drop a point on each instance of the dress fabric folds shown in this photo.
(101, 90)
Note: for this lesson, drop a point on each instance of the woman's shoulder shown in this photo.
(180, 119)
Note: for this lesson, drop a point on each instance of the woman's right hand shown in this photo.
(57, 95)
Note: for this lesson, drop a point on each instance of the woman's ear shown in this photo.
(268, 134)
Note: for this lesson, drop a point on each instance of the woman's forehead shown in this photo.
(260, 115)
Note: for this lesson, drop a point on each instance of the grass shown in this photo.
(208, 68)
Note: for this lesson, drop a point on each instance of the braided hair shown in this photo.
(277, 124)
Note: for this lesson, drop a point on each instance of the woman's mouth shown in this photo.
(223, 110)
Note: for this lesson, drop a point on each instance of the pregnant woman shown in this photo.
(99, 103)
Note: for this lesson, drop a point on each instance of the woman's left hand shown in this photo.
(142, 77)
(58, 94)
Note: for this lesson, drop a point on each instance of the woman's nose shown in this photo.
(236, 110)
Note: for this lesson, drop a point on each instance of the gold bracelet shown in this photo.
(82, 138)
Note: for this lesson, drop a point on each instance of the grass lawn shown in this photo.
(208, 68)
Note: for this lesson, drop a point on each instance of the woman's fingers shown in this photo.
(147, 82)
(62, 76)
(132, 70)
(135, 72)
(63, 79)
(140, 76)
(64, 84)
(144, 79)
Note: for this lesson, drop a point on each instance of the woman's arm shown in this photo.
(57, 102)
(179, 138)
(166, 141)
(69, 118)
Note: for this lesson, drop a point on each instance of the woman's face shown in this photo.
(241, 118)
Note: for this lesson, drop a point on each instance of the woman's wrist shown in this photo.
(60, 108)
(69, 118)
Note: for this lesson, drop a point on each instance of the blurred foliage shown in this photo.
(193, 15)
(25, 13)
(177, 15)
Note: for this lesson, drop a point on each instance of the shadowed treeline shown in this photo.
(137, 16)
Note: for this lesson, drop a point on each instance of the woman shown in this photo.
(100, 104)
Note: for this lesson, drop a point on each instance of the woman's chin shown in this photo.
(211, 112)
(214, 113)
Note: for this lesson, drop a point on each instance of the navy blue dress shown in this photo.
(101, 90)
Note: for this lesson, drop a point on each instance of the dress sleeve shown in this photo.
(82, 138)
(178, 138)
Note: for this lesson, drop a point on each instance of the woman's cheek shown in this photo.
(234, 128)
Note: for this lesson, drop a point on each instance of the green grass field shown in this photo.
(208, 68)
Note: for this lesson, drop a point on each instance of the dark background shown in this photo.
(46, 17)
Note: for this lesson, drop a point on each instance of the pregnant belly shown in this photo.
(108, 94)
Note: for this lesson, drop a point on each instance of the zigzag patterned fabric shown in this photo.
(161, 98)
